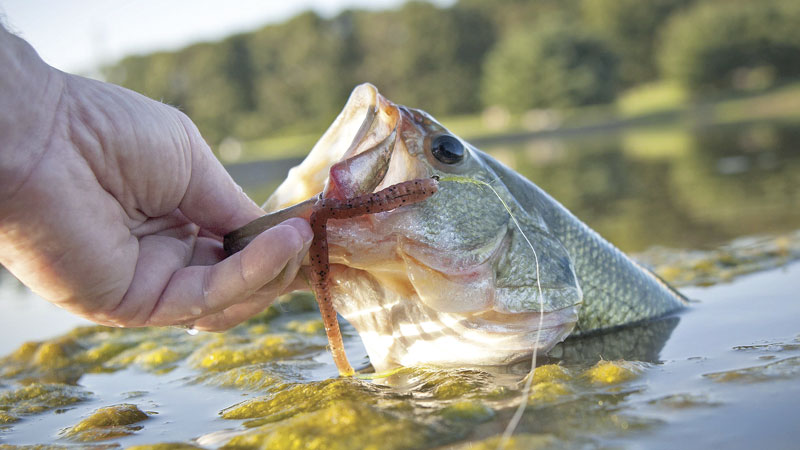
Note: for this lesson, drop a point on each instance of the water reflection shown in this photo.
(640, 342)
(672, 186)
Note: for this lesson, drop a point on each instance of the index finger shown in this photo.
(198, 291)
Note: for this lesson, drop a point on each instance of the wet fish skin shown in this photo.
(616, 290)
(452, 280)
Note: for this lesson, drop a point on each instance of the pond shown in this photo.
(713, 209)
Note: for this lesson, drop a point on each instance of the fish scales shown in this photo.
(616, 290)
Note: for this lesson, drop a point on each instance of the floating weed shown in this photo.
(548, 392)
(314, 326)
(6, 418)
(36, 398)
(612, 372)
(107, 423)
(252, 378)
(290, 400)
(346, 424)
(684, 401)
(523, 441)
(228, 352)
(165, 446)
(550, 373)
(784, 369)
(467, 410)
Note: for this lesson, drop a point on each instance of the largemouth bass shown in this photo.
(453, 280)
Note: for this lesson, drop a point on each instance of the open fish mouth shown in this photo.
(426, 283)
(352, 157)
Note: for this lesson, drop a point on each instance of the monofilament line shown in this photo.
(515, 419)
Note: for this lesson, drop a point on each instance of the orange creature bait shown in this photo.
(401, 194)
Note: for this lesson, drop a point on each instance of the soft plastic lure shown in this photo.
(401, 194)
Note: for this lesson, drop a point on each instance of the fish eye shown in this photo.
(447, 149)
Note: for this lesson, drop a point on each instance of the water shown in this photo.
(723, 373)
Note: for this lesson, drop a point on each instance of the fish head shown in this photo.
(470, 276)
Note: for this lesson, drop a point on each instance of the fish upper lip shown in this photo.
(362, 172)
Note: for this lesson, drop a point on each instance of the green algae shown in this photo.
(741, 256)
(37, 398)
(612, 372)
(165, 446)
(230, 352)
(253, 378)
(149, 355)
(93, 349)
(683, 401)
(784, 369)
(295, 399)
(548, 392)
(6, 418)
(550, 373)
(107, 423)
(448, 384)
(345, 425)
(417, 407)
(49, 361)
(103, 352)
(467, 410)
(59, 447)
(522, 441)
(296, 302)
(442, 405)
(315, 326)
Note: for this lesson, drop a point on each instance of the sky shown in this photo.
(81, 35)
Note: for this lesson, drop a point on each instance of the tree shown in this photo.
(631, 27)
(713, 45)
(549, 66)
(424, 56)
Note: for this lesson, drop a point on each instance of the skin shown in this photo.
(113, 205)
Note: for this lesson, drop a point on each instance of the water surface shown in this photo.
(724, 372)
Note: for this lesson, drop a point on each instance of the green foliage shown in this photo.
(292, 78)
(733, 44)
(509, 15)
(631, 27)
(551, 66)
(423, 55)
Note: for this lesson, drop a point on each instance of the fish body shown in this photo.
(481, 273)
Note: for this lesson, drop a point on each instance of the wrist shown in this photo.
(29, 108)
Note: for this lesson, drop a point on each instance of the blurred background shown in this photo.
(669, 123)
(666, 122)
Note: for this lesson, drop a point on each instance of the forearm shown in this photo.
(30, 91)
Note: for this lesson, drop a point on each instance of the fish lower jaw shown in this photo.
(450, 348)
(401, 331)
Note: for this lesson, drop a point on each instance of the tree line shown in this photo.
(519, 54)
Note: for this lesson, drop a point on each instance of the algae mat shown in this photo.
(724, 372)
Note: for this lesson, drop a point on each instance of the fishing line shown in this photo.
(515, 419)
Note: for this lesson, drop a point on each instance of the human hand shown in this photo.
(112, 206)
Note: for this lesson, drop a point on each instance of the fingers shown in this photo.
(207, 252)
(240, 312)
(259, 272)
(212, 199)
